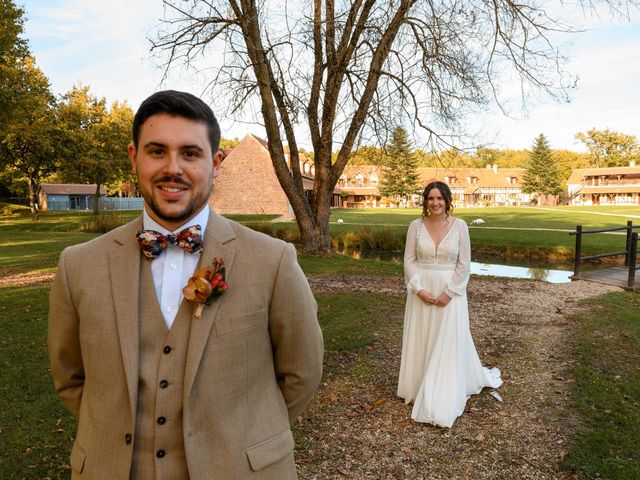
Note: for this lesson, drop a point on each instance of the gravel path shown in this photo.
(358, 429)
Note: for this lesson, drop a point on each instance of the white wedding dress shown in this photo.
(440, 367)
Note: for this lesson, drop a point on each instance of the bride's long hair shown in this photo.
(445, 191)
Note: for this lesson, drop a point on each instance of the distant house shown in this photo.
(469, 186)
(68, 196)
(358, 186)
(605, 186)
(489, 186)
(247, 183)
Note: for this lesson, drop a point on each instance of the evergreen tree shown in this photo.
(401, 177)
(542, 175)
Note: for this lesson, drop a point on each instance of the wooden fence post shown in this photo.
(628, 248)
(632, 260)
(576, 264)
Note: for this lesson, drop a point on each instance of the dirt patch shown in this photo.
(357, 428)
(25, 279)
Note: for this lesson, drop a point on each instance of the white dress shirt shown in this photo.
(173, 268)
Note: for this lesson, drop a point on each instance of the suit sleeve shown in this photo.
(65, 355)
(295, 335)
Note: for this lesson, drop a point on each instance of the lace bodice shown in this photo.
(454, 250)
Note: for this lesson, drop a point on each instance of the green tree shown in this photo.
(29, 142)
(98, 139)
(609, 148)
(401, 177)
(542, 175)
(13, 51)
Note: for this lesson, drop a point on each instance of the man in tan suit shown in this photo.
(159, 393)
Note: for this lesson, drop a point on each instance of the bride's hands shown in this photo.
(443, 300)
(426, 297)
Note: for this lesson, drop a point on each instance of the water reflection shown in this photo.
(544, 274)
(479, 268)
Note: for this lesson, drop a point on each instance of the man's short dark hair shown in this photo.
(177, 104)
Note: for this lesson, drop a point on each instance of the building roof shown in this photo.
(578, 175)
(71, 189)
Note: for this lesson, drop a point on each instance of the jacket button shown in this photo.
(162, 420)
(167, 349)
(164, 384)
(160, 453)
(127, 438)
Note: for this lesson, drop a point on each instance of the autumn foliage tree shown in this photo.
(29, 141)
(340, 72)
(97, 139)
(608, 148)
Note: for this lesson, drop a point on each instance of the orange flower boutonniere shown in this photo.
(206, 285)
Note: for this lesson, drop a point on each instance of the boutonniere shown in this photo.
(206, 285)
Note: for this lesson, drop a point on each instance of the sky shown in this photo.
(105, 44)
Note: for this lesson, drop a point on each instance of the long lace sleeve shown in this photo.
(411, 277)
(457, 285)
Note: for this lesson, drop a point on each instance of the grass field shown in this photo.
(607, 393)
(36, 432)
(514, 227)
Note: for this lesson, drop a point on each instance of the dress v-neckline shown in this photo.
(442, 239)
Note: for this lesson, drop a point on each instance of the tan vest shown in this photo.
(158, 443)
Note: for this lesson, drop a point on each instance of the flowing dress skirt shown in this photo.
(440, 367)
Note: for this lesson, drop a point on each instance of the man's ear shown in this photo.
(132, 156)
(217, 161)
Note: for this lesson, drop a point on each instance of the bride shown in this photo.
(440, 367)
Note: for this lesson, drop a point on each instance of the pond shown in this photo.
(534, 272)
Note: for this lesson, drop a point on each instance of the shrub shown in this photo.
(105, 221)
(290, 235)
(379, 239)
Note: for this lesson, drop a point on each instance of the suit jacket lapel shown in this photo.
(124, 264)
(218, 233)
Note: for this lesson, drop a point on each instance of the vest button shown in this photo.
(164, 384)
(160, 453)
(127, 438)
(167, 349)
(162, 420)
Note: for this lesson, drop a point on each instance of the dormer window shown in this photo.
(359, 179)
(472, 180)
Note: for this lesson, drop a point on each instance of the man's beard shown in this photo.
(189, 211)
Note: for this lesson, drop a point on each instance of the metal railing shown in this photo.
(630, 252)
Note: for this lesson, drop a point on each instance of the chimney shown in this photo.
(632, 163)
(495, 168)
(488, 167)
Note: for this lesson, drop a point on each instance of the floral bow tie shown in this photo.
(153, 243)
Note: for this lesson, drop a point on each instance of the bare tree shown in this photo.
(340, 71)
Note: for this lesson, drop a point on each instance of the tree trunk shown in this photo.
(96, 201)
(33, 200)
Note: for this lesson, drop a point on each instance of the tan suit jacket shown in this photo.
(254, 358)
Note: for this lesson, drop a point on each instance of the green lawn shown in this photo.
(607, 389)
(509, 228)
(36, 432)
